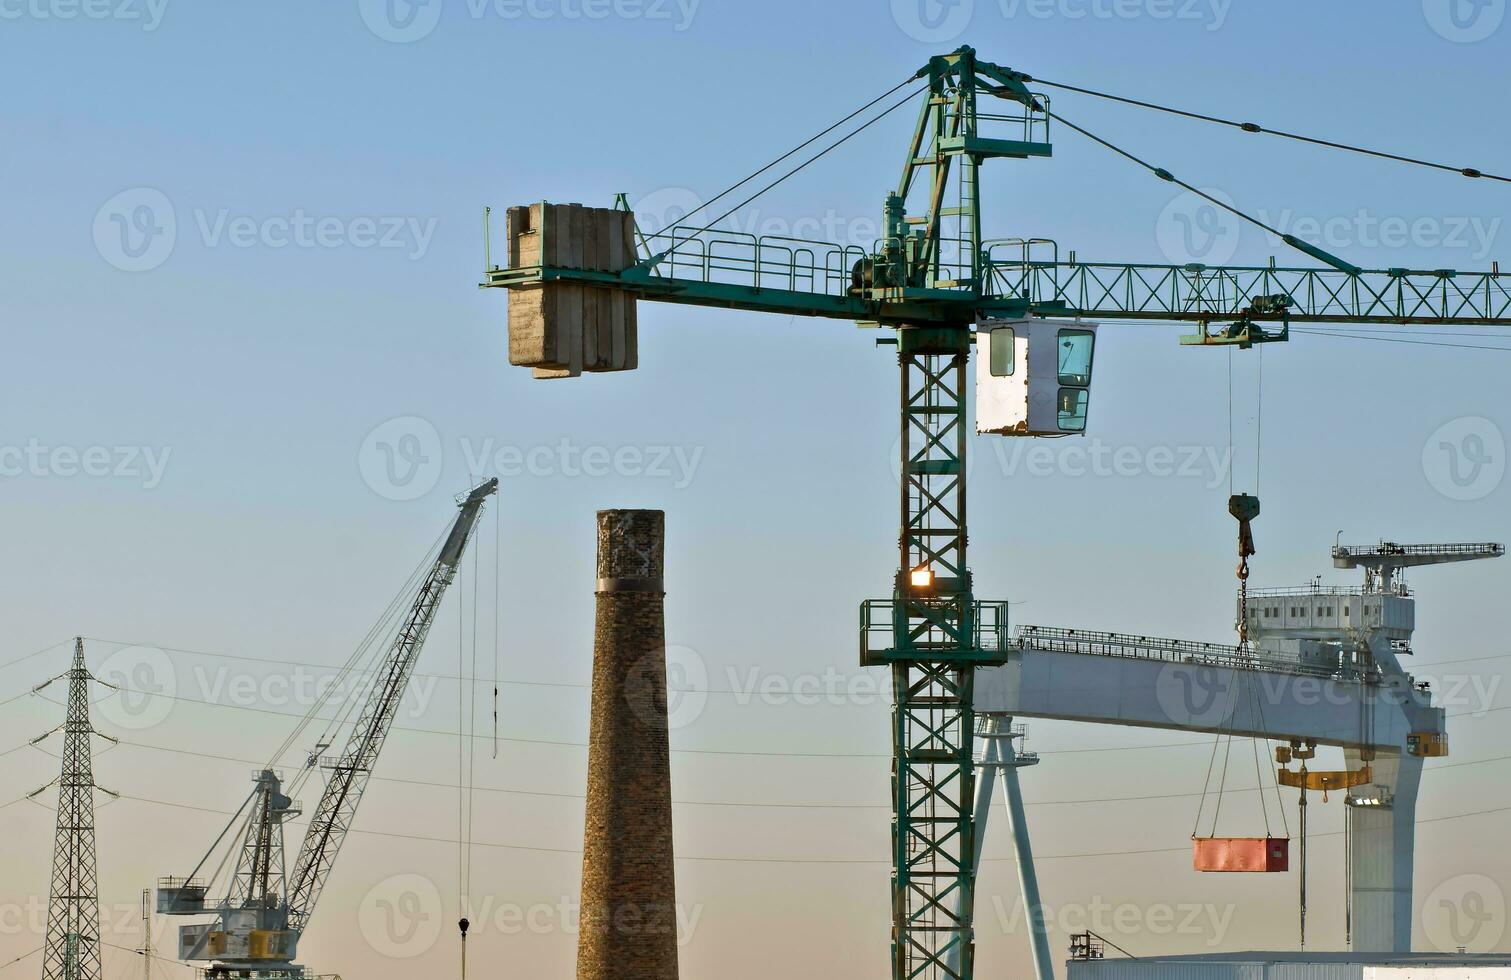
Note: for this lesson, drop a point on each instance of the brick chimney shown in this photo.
(629, 921)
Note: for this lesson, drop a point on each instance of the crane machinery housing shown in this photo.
(254, 931)
(937, 288)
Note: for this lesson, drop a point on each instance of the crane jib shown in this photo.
(343, 792)
(258, 926)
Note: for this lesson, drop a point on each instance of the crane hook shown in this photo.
(462, 925)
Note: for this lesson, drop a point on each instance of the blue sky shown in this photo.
(325, 169)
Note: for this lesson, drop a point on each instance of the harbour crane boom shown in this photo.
(353, 768)
(257, 927)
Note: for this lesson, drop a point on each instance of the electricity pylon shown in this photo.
(73, 905)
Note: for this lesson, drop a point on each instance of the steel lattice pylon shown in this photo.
(933, 647)
(73, 907)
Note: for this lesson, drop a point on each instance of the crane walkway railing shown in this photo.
(1132, 647)
(1315, 590)
(1389, 549)
(754, 261)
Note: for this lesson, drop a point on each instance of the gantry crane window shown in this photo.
(1075, 357)
(1003, 362)
(1073, 403)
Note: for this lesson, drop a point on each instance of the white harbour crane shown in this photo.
(254, 931)
(1325, 669)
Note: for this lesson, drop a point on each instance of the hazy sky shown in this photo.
(248, 366)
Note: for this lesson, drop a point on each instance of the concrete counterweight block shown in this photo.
(629, 914)
(561, 329)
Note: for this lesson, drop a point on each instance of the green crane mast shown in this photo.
(930, 280)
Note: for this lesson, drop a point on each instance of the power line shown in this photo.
(717, 859)
(562, 743)
(1249, 127)
(23, 956)
(765, 805)
(152, 956)
(569, 744)
(1338, 335)
(1167, 176)
(582, 685)
(35, 653)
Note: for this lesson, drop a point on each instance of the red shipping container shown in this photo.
(1248, 854)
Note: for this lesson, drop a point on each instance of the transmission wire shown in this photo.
(803, 145)
(1166, 175)
(817, 156)
(1249, 127)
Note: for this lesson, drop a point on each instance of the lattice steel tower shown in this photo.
(73, 906)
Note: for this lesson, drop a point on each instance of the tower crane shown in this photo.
(255, 930)
(935, 288)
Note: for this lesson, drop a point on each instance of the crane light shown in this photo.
(921, 577)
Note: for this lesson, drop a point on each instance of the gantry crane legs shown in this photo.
(931, 279)
(1317, 676)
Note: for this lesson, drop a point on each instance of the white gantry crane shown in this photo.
(254, 931)
(1323, 669)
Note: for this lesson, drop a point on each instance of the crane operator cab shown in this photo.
(1033, 377)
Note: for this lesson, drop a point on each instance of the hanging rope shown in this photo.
(1244, 508)
(498, 568)
(466, 754)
